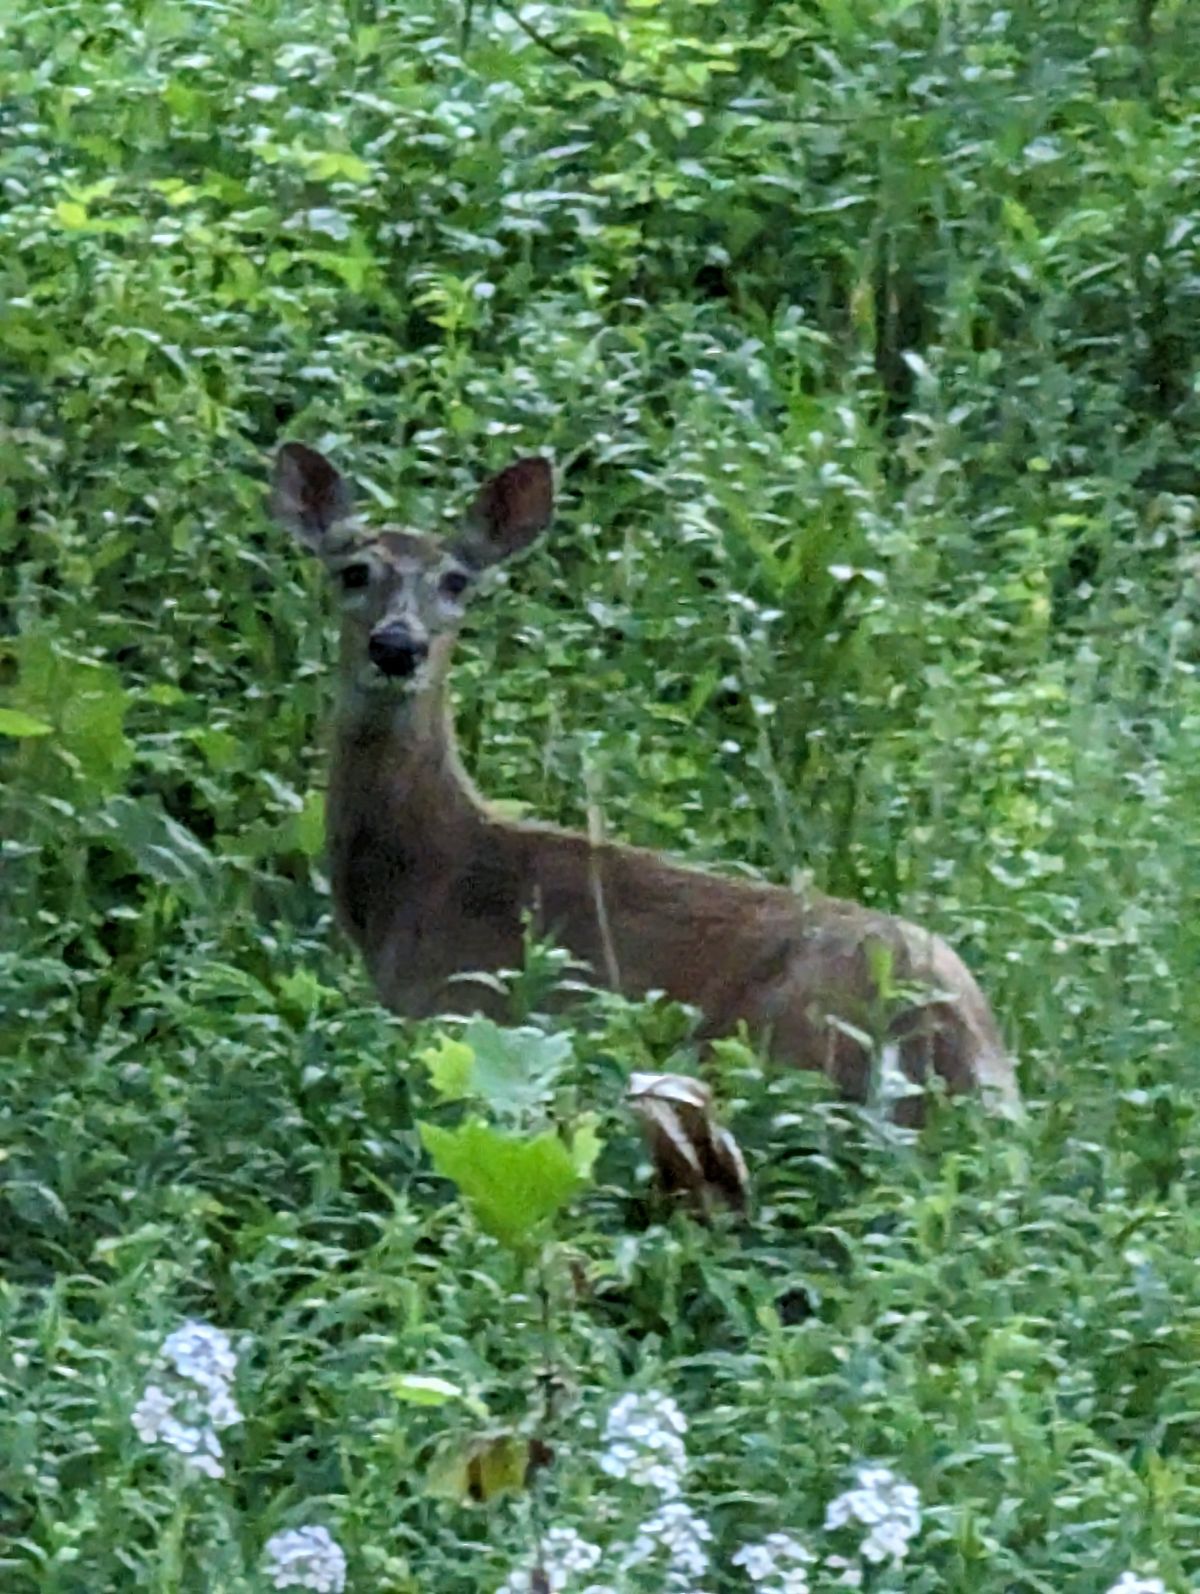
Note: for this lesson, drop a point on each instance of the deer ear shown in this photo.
(508, 512)
(308, 495)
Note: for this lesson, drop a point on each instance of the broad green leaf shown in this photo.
(515, 1070)
(597, 23)
(327, 164)
(512, 1183)
(303, 992)
(15, 723)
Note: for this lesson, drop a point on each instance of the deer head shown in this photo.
(403, 593)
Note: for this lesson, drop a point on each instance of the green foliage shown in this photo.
(865, 339)
(512, 1183)
(513, 1071)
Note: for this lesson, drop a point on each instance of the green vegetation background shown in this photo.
(866, 338)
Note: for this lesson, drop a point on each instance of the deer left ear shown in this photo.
(508, 513)
(308, 494)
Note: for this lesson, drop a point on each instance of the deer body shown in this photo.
(433, 886)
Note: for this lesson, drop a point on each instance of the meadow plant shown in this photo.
(191, 1400)
(564, 1556)
(780, 1563)
(307, 1557)
(644, 1443)
(877, 572)
(886, 1506)
(674, 1538)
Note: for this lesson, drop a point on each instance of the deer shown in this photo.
(434, 886)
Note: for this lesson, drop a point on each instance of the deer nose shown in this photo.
(395, 651)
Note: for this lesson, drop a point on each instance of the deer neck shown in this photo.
(402, 809)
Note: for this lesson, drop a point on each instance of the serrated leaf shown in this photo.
(512, 1183)
(451, 1064)
(515, 1069)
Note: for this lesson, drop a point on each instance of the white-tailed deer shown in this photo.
(432, 885)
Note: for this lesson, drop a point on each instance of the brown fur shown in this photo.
(433, 887)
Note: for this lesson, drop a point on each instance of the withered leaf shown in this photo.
(692, 1154)
(481, 1469)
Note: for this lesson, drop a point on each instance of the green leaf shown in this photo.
(450, 1064)
(72, 216)
(586, 1145)
(512, 1183)
(326, 165)
(598, 23)
(160, 848)
(85, 703)
(305, 831)
(514, 1070)
(415, 1390)
(14, 723)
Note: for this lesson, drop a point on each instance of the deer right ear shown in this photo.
(508, 513)
(308, 495)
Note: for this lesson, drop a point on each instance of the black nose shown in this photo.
(395, 650)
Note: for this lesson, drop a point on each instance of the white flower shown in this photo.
(887, 1540)
(199, 1446)
(1131, 1583)
(676, 1532)
(567, 1551)
(850, 1573)
(222, 1409)
(191, 1399)
(151, 1413)
(883, 1503)
(202, 1354)
(561, 1555)
(157, 1420)
(643, 1441)
(305, 1558)
(756, 1561)
(779, 1560)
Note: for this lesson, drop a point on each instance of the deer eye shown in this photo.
(355, 577)
(454, 583)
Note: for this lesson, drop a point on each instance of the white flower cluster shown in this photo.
(192, 1399)
(674, 1537)
(886, 1506)
(780, 1561)
(882, 1503)
(643, 1442)
(305, 1558)
(564, 1555)
(1131, 1583)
